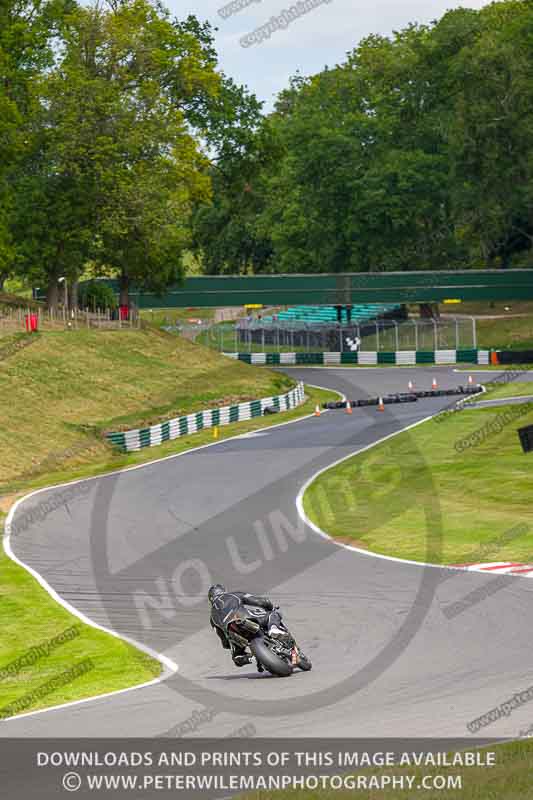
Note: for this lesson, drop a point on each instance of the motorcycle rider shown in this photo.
(224, 603)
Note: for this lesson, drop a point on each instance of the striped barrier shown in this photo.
(182, 426)
(369, 358)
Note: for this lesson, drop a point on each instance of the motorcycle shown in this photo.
(270, 642)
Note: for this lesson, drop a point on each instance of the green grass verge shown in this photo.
(30, 617)
(60, 394)
(483, 307)
(515, 333)
(509, 389)
(508, 779)
(171, 316)
(377, 499)
(508, 332)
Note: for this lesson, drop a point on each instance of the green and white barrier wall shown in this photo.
(181, 426)
(400, 357)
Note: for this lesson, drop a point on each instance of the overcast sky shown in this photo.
(318, 38)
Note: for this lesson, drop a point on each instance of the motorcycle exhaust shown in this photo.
(249, 625)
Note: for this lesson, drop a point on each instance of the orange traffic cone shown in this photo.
(381, 405)
(317, 410)
(434, 384)
(348, 407)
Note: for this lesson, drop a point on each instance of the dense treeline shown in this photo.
(107, 114)
(123, 145)
(415, 153)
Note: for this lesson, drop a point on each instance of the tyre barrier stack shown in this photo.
(403, 397)
(514, 356)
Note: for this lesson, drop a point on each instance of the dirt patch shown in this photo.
(7, 500)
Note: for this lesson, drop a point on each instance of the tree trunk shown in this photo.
(429, 310)
(52, 290)
(3, 279)
(52, 294)
(124, 296)
(73, 295)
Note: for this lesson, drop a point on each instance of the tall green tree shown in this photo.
(491, 138)
(364, 183)
(27, 32)
(115, 164)
(227, 234)
(415, 153)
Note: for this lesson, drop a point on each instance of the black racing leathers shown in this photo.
(223, 608)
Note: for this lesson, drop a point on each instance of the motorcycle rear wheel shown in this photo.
(270, 661)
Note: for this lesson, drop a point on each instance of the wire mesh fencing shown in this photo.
(386, 335)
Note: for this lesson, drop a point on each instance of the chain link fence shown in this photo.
(254, 336)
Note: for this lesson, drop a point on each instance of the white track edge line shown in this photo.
(324, 535)
(372, 367)
(370, 553)
(170, 667)
(524, 398)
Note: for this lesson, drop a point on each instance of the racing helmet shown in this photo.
(215, 591)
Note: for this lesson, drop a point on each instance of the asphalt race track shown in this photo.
(398, 649)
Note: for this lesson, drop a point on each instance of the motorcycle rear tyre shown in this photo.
(270, 661)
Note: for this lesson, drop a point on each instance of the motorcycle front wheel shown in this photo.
(270, 661)
(304, 663)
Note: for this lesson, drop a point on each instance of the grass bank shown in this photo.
(421, 496)
(514, 333)
(175, 316)
(498, 324)
(58, 395)
(90, 463)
